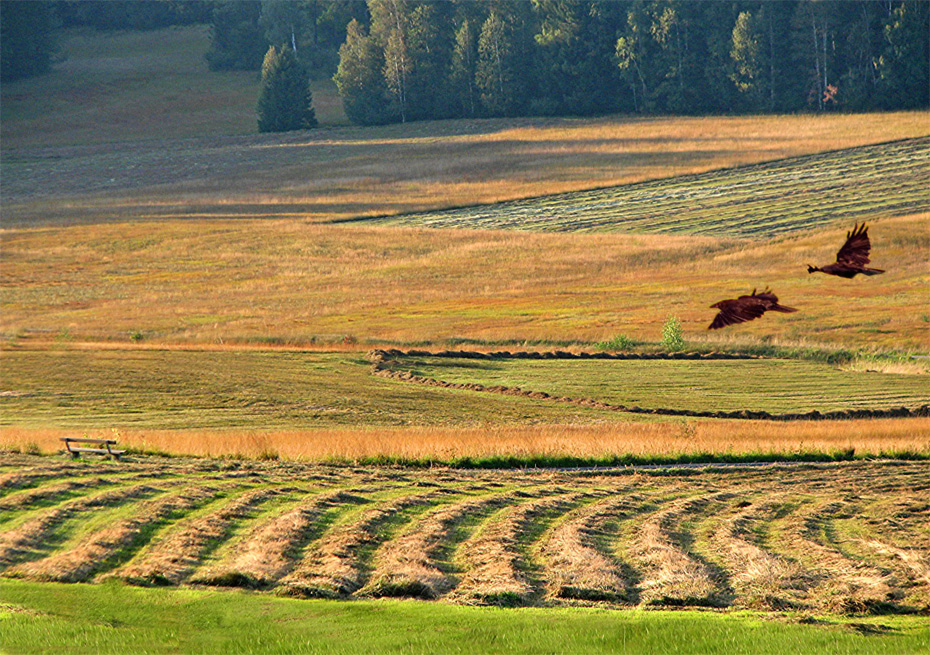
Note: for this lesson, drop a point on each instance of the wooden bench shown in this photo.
(104, 447)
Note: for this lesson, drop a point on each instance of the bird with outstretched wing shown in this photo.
(852, 258)
(746, 308)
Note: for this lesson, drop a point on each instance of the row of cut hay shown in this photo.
(332, 565)
(22, 541)
(408, 565)
(721, 438)
(30, 476)
(49, 492)
(97, 551)
(760, 578)
(840, 584)
(671, 574)
(272, 548)
(643, 542)
(496, 570)
(171, 559)
(576, 567)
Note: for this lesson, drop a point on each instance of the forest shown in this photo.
(406, 60)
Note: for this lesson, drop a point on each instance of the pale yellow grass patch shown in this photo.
(667, 438)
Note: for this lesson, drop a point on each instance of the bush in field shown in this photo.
(672, 337)
(284, 102)
(618, 342)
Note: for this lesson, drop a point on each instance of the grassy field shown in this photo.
(171, 278)
(116, 619)
(844, 539)
(291, 282)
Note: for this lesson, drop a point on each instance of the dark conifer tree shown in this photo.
(284, 102)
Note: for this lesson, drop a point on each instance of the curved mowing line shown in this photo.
(793, 194)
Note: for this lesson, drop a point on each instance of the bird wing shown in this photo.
(855, 252)
(744, 308)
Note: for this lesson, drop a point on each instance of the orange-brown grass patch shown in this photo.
(866, 437)
(281, 282)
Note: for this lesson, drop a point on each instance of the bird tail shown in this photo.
(782, 308)
(872, 271)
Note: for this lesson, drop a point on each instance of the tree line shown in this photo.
(402, 60)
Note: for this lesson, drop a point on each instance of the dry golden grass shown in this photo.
(331, 566)
(221, 281)
(495, 568)
(669, 438)
(764, 579)
(93, 552)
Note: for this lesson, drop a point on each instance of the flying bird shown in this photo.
(746, 308)
(852, 257)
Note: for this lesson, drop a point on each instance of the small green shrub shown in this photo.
(618, 342)
(672, 337)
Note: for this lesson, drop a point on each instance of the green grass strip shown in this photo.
(112, 618)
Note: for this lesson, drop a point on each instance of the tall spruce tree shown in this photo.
(284, 102)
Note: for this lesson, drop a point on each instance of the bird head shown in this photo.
(812, 269)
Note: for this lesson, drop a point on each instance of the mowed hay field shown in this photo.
(846, 538)
(194, 289)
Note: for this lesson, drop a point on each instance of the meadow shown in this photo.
(207, 296)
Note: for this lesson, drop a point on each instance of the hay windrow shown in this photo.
(761, 579)
(96, 551)
(332, 566)
(271, 549)
(670, 573)
(841, 584)
(576, 567)
(27, 539)
(173, 558)
(407, 565)
(843, 537)
(496, 569)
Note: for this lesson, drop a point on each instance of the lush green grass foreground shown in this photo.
(111, 618)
